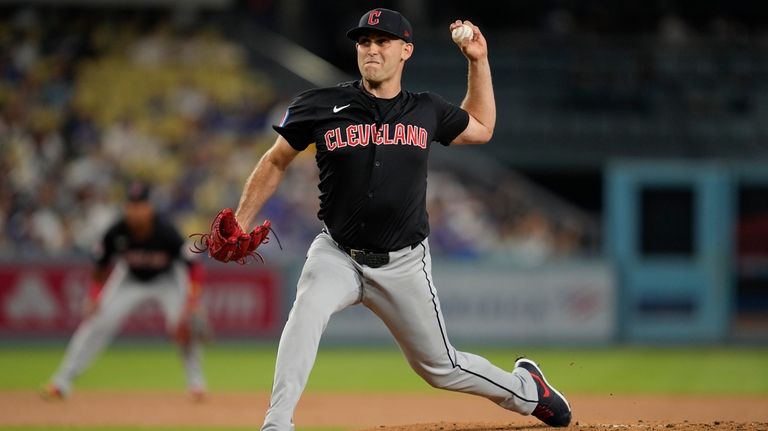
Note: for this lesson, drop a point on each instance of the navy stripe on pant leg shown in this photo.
(455, 364)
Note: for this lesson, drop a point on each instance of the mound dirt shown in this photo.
(433, 411)
(662, 426)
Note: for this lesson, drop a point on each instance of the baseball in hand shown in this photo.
(460, 33)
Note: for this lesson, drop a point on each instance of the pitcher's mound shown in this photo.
(645, 426)
(434, 411)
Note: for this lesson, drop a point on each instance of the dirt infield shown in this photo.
(437, 411)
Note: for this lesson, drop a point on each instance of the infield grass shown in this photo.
(627, 370)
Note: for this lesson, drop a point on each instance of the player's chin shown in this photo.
(371, 74)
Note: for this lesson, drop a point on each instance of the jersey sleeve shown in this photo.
(297, 123)
(451, 120)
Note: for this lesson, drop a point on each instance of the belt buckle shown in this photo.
(357, 255)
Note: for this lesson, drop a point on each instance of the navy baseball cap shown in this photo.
(138, 191)
(384, 20)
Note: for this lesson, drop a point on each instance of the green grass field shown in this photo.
(626, 370)
(250, 368)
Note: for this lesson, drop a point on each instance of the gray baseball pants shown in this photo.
(403, 295)
(121, 295)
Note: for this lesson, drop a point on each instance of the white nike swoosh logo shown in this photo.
(337, 109)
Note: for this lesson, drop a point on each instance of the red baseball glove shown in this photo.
(228, 242)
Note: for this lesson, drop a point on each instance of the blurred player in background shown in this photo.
(141, 259)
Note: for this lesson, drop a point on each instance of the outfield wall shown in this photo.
(45, 299)
(487, 304)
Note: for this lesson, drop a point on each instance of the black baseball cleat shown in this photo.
(553, 409)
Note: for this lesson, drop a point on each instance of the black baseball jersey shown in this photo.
(145, 257)
(372, 154)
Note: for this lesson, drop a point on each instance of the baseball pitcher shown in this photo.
(373, 140)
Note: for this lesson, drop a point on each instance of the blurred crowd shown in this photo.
(507, 220)
(89, 101)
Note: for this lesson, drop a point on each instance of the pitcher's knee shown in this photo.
(438, 381)
(437, 377)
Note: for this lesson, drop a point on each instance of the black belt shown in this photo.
(373, 259)
(366, 257)
(369, 258)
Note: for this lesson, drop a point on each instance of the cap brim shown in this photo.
(355, 33)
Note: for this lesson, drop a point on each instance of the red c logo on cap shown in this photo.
(373, 18)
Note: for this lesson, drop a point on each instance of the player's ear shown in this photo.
(407, 51)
